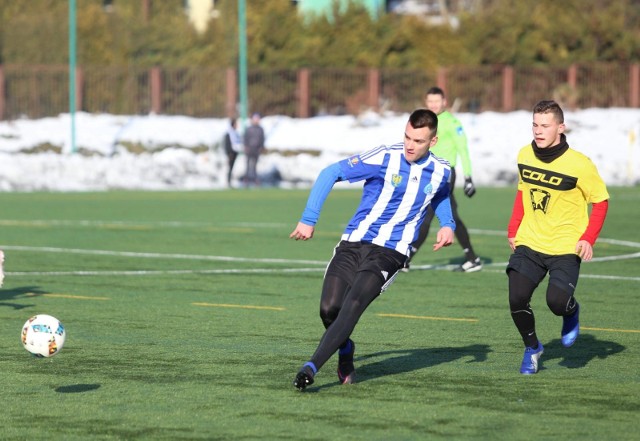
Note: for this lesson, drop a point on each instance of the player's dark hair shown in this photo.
(424, 118)
(435, 91)
(550, 106)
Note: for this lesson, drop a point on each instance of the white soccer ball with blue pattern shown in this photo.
(43, 335)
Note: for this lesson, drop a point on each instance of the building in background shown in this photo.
(433, 11)
(375, 7)
(436, 11)
(200, 12)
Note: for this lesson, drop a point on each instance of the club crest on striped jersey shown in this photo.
(396, 180)
(428, 189)
(354, 160)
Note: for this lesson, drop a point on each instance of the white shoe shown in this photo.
(470, 266)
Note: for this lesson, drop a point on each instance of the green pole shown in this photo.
(72, 72)
(242, 58)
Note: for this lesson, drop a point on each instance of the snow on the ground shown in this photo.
(175, 152)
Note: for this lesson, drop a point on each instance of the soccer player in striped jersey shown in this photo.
(550, 230)
(400, 182)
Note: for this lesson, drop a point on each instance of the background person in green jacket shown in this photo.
(452, 142)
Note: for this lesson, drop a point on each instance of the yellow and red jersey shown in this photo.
(555, 196)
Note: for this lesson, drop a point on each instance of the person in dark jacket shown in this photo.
(232, 146)
(253, 147)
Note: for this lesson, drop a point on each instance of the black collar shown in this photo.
(550, 153)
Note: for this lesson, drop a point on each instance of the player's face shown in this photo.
(546, 130)
(417, 142)
(436, 103)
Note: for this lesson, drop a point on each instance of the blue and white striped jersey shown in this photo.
(395, 196)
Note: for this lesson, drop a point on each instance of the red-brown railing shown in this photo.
(40, 91)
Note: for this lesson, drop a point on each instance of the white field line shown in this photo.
(582, 275)
(182, 224)
(159, 255)
(161, 272)
(625, 243)
(491, 267)
(171, 224)
(322, 264)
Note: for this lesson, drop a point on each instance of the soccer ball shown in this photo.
(43, 335)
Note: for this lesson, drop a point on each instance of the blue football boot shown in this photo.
(570, 328)
(529, 364)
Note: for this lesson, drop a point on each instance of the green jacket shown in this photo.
(452, 142)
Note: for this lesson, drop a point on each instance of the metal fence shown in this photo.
(40, 91)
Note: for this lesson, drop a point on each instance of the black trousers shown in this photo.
(231, 156)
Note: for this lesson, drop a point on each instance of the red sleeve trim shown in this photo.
(596, 220)
(516, 215)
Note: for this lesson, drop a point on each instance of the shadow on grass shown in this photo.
(586, 348)
(77, 388)
(413, 359)
(7, 296)
(401, 361)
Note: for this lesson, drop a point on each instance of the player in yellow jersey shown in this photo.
(550, 230)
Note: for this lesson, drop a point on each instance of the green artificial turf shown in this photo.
(188, 315)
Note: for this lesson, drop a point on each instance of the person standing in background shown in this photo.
(253, 147)
(232, 146)
(452, 142)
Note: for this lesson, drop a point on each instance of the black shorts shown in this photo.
(563, 269)
(350, 258)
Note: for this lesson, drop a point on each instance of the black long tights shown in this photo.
(341, 306)
(521, 288)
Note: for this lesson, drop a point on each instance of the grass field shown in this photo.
(189, 313)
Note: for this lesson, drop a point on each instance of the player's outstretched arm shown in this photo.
(444, 238)
(302, 232)
(319, 192)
